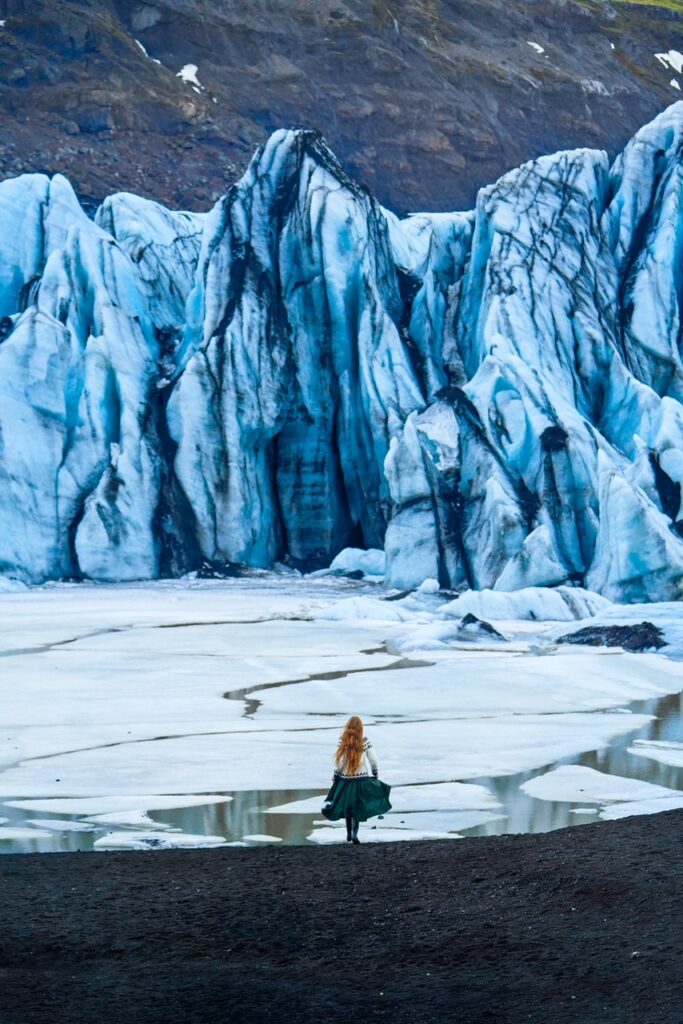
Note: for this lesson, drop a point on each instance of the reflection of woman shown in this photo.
(354, 795)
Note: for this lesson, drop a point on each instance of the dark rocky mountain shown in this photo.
(424, 101)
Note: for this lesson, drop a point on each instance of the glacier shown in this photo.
(493, 397)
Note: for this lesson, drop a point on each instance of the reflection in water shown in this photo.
(526, 814)
(246, 813)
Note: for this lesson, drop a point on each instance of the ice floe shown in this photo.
(62, 825)
(99, 805)
(575, 782)
(134, 819)
(10, 833)
(324, 836)
(437, 821)
(664, 751)
(155, 841)
(478, 685)
(628, 809)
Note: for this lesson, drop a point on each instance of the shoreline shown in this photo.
(577, 925)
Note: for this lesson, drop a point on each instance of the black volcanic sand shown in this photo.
(580, 925)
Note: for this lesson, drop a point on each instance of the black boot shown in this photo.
(349, 826)
(354, 831)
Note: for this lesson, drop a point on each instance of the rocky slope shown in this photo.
(425, 101)
(496, 395)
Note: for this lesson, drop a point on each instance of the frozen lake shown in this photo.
(188, 713)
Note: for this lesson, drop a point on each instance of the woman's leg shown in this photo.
(354, 830)
(349, 828)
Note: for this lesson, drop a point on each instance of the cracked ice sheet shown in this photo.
(112, 804)
(235, 760)
(55, 613)
(410, 752)
(145, 683)
(471, 684)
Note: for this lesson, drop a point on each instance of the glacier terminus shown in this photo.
(494, 397)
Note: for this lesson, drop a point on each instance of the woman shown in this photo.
(354, 795)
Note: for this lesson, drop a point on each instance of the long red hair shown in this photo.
(350, 750)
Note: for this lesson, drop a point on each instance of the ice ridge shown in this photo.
(494, 397)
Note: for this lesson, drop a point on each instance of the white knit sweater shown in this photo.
(362, 771)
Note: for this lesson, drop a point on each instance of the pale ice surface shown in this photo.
(370, 563)
(437, 821)
(659, 750)
(385, 835)
(465, 748)
(214, 703)
(154, 841)
(9, 834)
(575, 782)
(617, 796)
(62, 825)
(627, 810)
(134, 819)
(110, 804)
(262, 838)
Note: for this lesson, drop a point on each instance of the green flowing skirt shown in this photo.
(360, 798)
